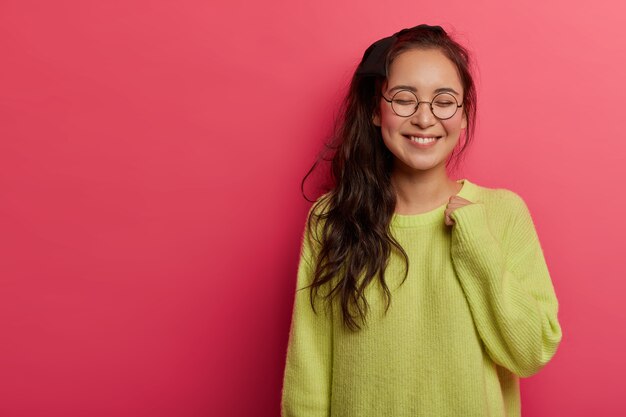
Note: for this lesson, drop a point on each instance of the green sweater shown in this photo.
(477, 312)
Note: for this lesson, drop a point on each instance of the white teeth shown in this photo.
(422, 140)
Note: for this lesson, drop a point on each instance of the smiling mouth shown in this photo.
(422, 140)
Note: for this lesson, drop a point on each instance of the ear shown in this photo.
(464, 121)
(376, 119)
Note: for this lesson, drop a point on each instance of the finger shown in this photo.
(460, 202)
(453, 206)
(457, 204)
(461, 199)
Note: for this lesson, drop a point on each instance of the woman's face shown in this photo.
(424, 71)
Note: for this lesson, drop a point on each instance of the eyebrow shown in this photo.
(437, 91)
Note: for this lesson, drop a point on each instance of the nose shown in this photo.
(423, 116)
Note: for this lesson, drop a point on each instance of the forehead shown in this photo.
(424, 69)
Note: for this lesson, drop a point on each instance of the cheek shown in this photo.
(453, 124)
(389, 119)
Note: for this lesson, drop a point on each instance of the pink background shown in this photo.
(150, 223)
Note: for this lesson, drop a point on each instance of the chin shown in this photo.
(413, 165)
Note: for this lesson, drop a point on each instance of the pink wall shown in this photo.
(150, 224)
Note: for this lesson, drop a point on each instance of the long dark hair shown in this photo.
(349, 223)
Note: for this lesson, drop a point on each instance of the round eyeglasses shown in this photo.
(404, 103)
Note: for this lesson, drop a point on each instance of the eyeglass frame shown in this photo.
(419, 102)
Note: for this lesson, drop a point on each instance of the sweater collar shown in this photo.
(468, 192)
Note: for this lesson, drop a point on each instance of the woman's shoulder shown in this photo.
(503, 206)
(498, 197)
(320, 205)
(316, 216)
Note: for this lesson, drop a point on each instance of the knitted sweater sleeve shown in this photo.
(508, 286)
(307, 378)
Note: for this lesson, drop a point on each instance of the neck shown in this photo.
(422, 191)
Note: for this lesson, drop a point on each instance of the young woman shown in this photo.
(427, 296)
